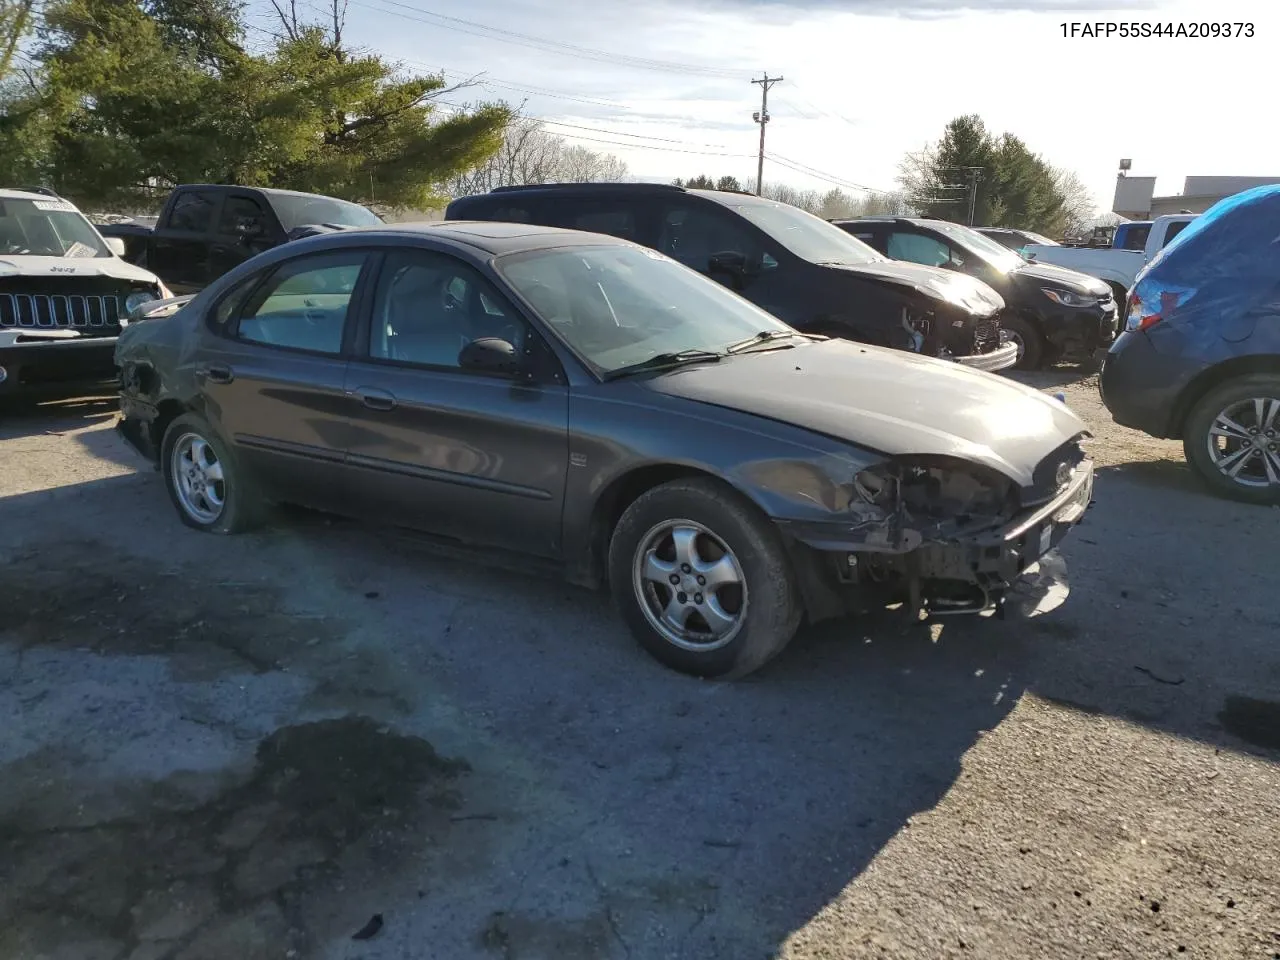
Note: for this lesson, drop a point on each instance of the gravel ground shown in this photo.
(250, 747)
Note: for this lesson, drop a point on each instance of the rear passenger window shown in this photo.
(511, 214)
(303, 306)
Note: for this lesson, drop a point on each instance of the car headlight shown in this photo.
(935, 489)
(134, 300)
(1067, 298)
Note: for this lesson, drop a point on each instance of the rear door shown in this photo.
(272, 375)
(476, 456)
(180, 246)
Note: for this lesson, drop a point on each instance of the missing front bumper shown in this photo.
(1013, 569)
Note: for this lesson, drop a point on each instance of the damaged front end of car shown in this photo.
(941, 535)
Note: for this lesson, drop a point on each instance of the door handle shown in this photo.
(216, 373)
(376, 399)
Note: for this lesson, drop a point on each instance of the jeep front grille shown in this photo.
(36, 311)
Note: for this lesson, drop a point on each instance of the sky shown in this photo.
(667, 87)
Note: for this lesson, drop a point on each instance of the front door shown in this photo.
(245, 228)
(273, 374)
(474, 456)
(180, 245)
(707, 238)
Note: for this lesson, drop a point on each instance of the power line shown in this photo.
(502, 35)
(804, 168)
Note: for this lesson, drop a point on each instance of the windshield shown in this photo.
(999, 256)
(303, 210)
(808, 237)
(47, 228)
(616, 306)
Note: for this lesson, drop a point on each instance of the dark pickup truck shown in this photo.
(204, 229)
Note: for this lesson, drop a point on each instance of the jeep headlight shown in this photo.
(134, 300)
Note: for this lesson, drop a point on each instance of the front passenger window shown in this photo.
(429, 306)
(303, 306)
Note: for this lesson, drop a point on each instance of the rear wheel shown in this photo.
(205, 483)
(1031, 345)
(703, 579)
(1232, 438)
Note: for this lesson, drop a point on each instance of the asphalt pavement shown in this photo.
(264, 746)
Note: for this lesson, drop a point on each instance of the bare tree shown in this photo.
(1077, 201)
(530, 154)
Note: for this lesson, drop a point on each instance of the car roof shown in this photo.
(10, 194)
(267, 191)
(487, 236)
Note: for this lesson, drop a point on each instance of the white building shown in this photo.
(1135, 200)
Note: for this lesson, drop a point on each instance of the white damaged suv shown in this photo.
(65, 294)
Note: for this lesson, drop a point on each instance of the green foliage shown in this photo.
(15, 22)
(132, 98)
(1015, 187)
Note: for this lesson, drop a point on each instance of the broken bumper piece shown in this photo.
(1011, 570)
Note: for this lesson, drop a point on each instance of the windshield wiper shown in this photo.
(662, 360)
(764, 336)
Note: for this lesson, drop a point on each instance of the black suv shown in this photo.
(797, 266)
(1052, 313)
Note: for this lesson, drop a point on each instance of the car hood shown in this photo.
(888, 401)
(960, 289)
(1074, 280)
(55, 267)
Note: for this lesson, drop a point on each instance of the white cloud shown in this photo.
(866, 81)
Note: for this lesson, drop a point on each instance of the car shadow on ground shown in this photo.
(615, 808)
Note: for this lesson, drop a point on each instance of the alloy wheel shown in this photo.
(690, 585)
(198, 478)
(1244, 442)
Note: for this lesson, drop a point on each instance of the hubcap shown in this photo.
(1016, 340)
(1242, 442)
(690, 585)
(198, 479)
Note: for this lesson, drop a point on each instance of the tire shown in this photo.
(764, 604)
(1238, 400)
(189, 437)
(1031, 345)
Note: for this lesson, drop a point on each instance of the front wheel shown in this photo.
(1232, 438)
(703, 580)
(1030, 343)
(206, 485)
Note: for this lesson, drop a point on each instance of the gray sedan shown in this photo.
(592, 403)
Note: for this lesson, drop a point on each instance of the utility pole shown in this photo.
(762, 118)
(975, 174)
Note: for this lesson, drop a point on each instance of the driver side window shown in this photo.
(692, 233)
(428, 306)
(917, 248)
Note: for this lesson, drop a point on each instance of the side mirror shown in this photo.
(250, 230)
(115, 245)
(489, 355)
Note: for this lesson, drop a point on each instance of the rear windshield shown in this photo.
(47, 228)
(808, 237)
(302, 211)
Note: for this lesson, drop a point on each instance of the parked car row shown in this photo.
(798, 267)
(1051, 314)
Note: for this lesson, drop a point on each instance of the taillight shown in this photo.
(1140, 317)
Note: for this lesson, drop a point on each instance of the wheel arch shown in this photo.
(1211, 379)
(622, 491)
